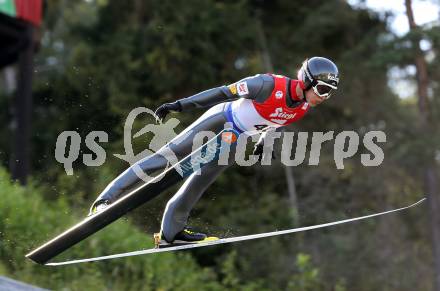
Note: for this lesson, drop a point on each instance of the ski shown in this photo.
(229, 240)
(209, 151)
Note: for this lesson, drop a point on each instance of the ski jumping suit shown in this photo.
(252, 105)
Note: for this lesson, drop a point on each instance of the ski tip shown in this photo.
(420, 201)
(417, 203)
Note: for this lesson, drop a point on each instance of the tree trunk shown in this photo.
(431, 190)
(268, 67)
(19, 163)
(429, 167)
(139, 13)
(10, 80)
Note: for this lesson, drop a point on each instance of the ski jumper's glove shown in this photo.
(259, 149)
(163, 110)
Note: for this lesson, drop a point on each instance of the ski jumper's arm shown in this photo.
(257, 87)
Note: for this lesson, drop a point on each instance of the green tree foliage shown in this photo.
(307, 277)
(27, 220)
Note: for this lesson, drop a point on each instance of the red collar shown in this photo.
(293, 84)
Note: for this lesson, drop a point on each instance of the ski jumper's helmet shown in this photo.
(320, 74)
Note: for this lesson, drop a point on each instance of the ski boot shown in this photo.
(98, 206)
(184, 237)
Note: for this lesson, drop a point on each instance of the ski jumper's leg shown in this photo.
(212, 120)
(179, 206)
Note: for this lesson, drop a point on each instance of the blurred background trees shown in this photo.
(99, 59)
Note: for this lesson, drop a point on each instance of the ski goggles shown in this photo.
(323, 89)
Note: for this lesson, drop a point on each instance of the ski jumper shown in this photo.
(253, 105)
